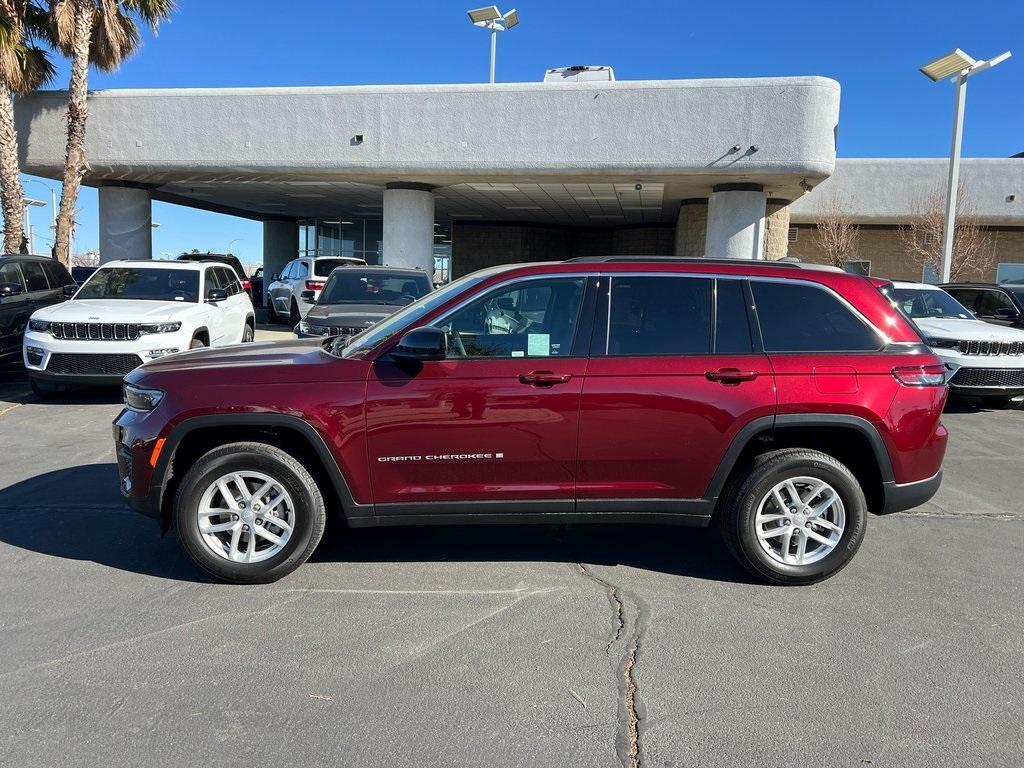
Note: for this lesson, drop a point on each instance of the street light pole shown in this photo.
(494, 21)
(958, 66)
(494, 49)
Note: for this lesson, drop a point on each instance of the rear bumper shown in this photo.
(900, 497)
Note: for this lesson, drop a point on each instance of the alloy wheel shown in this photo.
(246, 517)
(800, 521)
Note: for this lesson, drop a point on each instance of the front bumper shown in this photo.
(983, 375)
(92, 362)
(900, 497)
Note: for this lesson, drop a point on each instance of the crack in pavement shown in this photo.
(627, 744)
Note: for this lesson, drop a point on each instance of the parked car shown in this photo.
(779, 401)
(285, 303)
(81, 274)
(26, 284)
(355, 298)
(256, 281)
(996, 303)
(228, 260)
(129, 312)
(983, 360)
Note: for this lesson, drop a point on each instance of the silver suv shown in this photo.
(294, 292)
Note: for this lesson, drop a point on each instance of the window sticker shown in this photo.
(538, 344)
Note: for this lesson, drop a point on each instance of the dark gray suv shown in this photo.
(27, 283)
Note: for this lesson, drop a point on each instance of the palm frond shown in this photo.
(37, 69)
(62, 25)
(151, 11)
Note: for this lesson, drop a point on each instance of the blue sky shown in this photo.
(872, 48)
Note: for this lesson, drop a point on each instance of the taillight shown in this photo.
(246, 285)
(921, 375)
(314, 285)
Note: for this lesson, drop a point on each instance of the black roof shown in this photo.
(32, 256)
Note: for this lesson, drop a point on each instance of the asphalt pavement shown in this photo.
(494, 646)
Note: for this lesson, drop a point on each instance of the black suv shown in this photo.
(228, 260)
(26, 284)
(996, 303)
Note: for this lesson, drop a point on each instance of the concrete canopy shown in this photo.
(545, 152)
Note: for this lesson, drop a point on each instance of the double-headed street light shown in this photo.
(28, 204)
(494, 20)
(957, 66)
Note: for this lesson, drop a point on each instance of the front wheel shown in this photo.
(247, 334)
(249, 513)
(798, 517)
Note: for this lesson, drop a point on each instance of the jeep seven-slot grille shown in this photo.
(991, 347)
(988, 377)
(95, 331)
(92, 365)
(337, 330)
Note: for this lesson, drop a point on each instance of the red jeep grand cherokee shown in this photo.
(779, 401)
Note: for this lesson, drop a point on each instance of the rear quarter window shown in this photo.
(798, 317)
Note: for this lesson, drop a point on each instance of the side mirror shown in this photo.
(1007, 313)
(275, 276)
(70, 290)
(10, 289)
(307, 295)
(421, 345)
(216, 294)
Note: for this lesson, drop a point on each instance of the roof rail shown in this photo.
(691, 260)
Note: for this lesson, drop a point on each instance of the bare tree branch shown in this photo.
(837, 236)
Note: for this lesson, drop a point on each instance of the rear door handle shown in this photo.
(544, 378)
(731, 375)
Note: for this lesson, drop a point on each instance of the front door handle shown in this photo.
(731, 375)
(544, 378)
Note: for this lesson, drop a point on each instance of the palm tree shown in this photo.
(24, 66)
(103, 33)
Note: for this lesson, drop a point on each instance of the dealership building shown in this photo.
(487, 174)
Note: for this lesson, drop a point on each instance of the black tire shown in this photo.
(271, 314)
(247, 334)
(44, 390)
(295, 316)
(310, 511)
(739, 506)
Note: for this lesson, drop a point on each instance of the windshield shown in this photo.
(324, 267)
(354, 286)
(362, 343)
(146, 284)
(923, 303)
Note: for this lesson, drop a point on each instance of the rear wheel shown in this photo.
(798, 517)
(249, 513)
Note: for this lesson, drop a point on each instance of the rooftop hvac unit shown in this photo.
(579, 74)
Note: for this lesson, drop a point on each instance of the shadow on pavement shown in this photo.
(78, 513)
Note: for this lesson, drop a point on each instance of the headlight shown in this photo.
(939, 343)
(140, 399)
(160, 327)
(39, 325)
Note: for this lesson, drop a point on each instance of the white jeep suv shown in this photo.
(130, 312)
(984, 360)
(294, 292)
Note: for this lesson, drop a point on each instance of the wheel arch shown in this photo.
(193, 437)
(852, 440)
(202, 332)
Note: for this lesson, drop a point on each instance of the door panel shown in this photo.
(657, 427)
(461, 430)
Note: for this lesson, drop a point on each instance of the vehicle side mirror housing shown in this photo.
(275, 276)
(70, 290)
(1007, 313)
(10, 289)
(421, 345)
(307, 295)
(216, 294)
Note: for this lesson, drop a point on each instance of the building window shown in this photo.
(792, 235)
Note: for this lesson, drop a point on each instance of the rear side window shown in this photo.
(34, 276)
(803, 318)
(659, 315)
(300, 270)
(57, 275)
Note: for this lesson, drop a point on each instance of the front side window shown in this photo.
(732, 326)
(35, 278)
(533, 318)
(228, 281)
(993, 301)
(969, 297)
(57, 275)
(659, 315)
(796, 317)
(924, 303)
(9, 273)
(355, 286)
(146, 284)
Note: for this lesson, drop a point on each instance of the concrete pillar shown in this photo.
(126, 223)
(736, 222)
(280, 245)
(776, 229)
(409, 227)
(691, 227)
